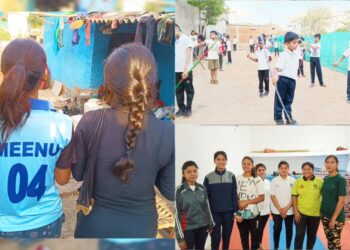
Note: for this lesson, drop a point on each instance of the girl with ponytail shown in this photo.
(34, 140)
(134, 152)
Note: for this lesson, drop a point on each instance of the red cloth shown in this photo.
(87, 32)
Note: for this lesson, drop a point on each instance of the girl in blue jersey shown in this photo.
(32, 139)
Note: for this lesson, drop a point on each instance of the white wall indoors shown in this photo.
(199, 143)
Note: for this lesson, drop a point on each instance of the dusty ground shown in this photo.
(235, 100)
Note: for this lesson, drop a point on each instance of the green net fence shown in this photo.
(333, 46)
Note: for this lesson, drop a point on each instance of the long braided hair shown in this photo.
(131, 75)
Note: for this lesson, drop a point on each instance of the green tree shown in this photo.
(211, 10)
(316, 21)
(4, 35)
(35, 21)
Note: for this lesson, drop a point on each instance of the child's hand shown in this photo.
(248, 55)
(274, 79)
(335, 64)
(239, 219)
(182, 245)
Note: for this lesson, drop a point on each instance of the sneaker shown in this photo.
(323, 85)
(293, 122)
(212, 82)
(261, 94)
(279, 122)
(180, 113)
(188, 113)
(216, 82)
(312, 85)
(303, 76)
(266, 93)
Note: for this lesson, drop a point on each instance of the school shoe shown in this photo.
(216, 82)
(212, 82)
(266, 93)
(188, 113)
(312, 85)
(323, 85)
(180, 113)
(293, 122)
(279, 122)
(261, 94)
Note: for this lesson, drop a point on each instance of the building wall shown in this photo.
(243, 32)
(187, 16)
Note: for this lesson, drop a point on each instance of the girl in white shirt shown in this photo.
(264, 207)
(250, 191)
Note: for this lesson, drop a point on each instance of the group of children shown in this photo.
(250, 199)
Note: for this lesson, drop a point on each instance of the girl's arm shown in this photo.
(180, 236)
(295, 208)
(208, 213)
(255, 201)
(62, 176)
(251, 58)
(338, 208)
(275, 203)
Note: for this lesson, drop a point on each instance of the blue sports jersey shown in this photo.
(29, 197)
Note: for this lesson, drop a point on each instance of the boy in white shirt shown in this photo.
(234, 42)
(276, 46)
(282, 206)
(345, 54)
(315, 61)
(301, 58)
(213, 56)
(228, 49)
(285, 74)
(263, 57)
(183, 62)
(251, 43)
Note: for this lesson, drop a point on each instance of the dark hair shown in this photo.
(283, 163)
(227, 36)
(335, 158)
(318, 35)
(23, 64)
(217, 153)
(252, 161)
(185, 166)
(213, 32)
(133, 85)
(257, 166)
(302, 38)
(177, 26)
(311, 165)
(290, 36)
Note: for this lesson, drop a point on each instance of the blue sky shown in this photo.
(278, 12)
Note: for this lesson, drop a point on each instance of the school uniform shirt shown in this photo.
(192, 209)
(263, 56)
(228, 45)
(276, 44)
(300, 51)
(234, 41)
(347, 54)
(308, 193)
(288, 63)
(315, 52)
(333, 187)
(251, 42)
(282, 190)
(264, 206)
(213, 53)
(29, 198)
(181, 46)
(249, 188)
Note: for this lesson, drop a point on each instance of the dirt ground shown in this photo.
(235, 99)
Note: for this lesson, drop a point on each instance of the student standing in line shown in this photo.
(183, 62)
(260, 170)
(221, 52)
(250, 190)
(282, 206)
(222, 193)
(306, 194)
(276, 46)
(336, 64)
(229, 49)
(235, 43)
(193, 219)
(333, 201)
(263, 57)
(251, 43)
(315, 61)
(300, 51)
(285, 75)
(33, 147)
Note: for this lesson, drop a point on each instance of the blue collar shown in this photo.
(37, 104)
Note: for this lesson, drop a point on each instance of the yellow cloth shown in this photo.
(309, 195)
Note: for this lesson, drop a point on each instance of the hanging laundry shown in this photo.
(165, 31)
(87, 31)
(147, 23)
(59, 32)
(76, 37)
